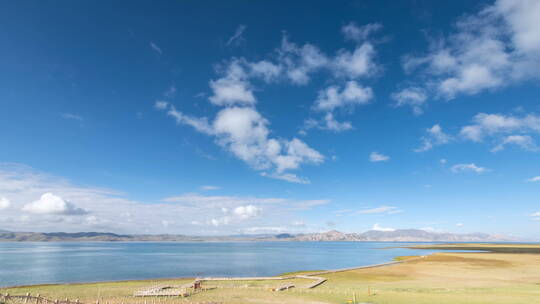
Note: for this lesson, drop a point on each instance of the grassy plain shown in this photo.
(508, 273)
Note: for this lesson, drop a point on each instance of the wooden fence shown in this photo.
(37, 299)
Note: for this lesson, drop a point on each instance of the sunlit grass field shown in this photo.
(453, 278)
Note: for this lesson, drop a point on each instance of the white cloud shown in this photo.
(52, 204)
(377, 157)
(536, 214)
(264, 69)
(226, 220)
(199, 124)
(525, 142)
(534, 179)
(351, 95)
(244, 132)
(4, 203)
(233, 88)
(381, 209)
(209, 188)
(265, 229)
(288, 177)
(414, 97)
(328, 122)
(190, 214)
(504, 130)
(298, 224)
(300, 61)
(492, 49)
(248, 211)
(237, 37)
(434, 137)
(468, 167)
(459, 224)
(156, 48)
(72, 116)
(358, 63)
(161, 105)
(357, 33)
(492, 124)
(171, 92)
(378, 227)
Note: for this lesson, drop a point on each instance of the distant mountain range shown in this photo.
(402, 235)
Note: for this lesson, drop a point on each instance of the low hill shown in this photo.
(402, 235)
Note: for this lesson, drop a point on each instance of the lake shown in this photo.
(39, 263)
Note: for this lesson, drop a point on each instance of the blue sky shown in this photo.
(256, 117)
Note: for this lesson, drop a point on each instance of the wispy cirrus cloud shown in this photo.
(381, 209)
(237, 37)
(534, 179)
(468, 168)
(209, 188)
(72, 116)
(156, 48)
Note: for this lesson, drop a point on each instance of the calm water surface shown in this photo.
(37, 263)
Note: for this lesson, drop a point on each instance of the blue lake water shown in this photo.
(38, 263)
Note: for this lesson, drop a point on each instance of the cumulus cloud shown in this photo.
(244, 132)
(265, 70)
(357, 33)
(504, 130)
(248, 211)
(468, 168)
(434, 137)
(381, 209)
(358, 63)
(525, 142)
(352, 94)
(491, 49)
(52, 204)
(414, 97)
(491, 124)
(300, 61)
(232, 88)
(4, 203)
(378, 157)
(378, 227)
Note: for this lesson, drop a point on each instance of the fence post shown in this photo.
(37, 298)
